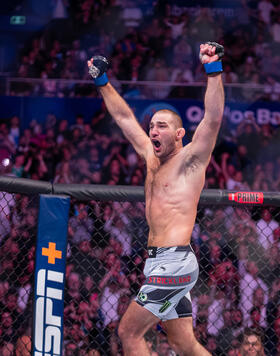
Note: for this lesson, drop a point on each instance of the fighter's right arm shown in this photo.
(126, 120)
(118, 108)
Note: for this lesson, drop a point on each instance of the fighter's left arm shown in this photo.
(204, 138)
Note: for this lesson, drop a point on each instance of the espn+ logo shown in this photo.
(47, 325)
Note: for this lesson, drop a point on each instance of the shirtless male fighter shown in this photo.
(175, 178)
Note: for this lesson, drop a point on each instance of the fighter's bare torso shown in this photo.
(172, 192)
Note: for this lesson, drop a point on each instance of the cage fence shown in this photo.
(239, 285)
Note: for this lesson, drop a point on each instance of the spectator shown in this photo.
(109, 299)
(158, 72)
(164, 349)
(177, 24)
(63, 174)
(259, 302)
(80, 225)
(237, 323)
(117, 227)
(73, 288)
(271, 270)
(71, 349)
(225, 333)
(275, 29)
(93, 353)
(7, 349)
(234, 179)
(203, 26)
(183, 52)
(18, 166)
(248, 284)
(251, 343)
(265, 227)
(228, 75)
(265, 7)
(255, 318)
(6, 325)
(14, 130)
(7, 148)
(217, 313)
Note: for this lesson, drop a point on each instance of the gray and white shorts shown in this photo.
(171, 272)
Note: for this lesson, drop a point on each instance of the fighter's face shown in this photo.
(162, 134)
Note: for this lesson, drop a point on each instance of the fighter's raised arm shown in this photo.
(118, 108)
(205, 136)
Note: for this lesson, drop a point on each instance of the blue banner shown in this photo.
(50, 276)
(191, 111)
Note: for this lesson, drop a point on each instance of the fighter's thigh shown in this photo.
(136, 320)
(179, 330)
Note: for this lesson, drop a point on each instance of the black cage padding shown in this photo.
(87, 192)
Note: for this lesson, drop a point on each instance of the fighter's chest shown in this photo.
(160, 177)
(163, 177)
(174, 174)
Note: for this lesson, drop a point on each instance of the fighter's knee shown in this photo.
(125, 331)
(182, 344)
(122, 332)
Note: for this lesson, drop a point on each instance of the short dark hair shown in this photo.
(251, 331)
(178, 123)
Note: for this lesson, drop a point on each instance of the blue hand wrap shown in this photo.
(214, 67)
(102, 80)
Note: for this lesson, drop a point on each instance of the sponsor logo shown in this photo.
(165, 306)
(163, 268)
(48, 306)
(47, 324)
(51, 252)
(49, 293)
(246, 197)
(142, 297)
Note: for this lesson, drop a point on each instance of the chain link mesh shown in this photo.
(239, 285)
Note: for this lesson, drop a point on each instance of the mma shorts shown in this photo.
(171, 272)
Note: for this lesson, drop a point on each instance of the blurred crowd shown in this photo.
(236, 301)
(94, 151)
(238, 249)
(150, 41)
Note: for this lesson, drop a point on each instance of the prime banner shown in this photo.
(50, 276)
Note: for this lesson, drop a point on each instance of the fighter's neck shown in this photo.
(165, 159)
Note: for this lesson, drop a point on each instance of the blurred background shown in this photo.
(47, 95)
(54, 127)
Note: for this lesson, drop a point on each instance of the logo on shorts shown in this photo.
(142, 297)
(165, 306)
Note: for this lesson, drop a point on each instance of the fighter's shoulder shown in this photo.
(190, 156)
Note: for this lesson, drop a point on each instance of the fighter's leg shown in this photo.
(134, 324)
(181, 337)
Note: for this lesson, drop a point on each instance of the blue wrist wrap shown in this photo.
(214, 67)
(100, 81)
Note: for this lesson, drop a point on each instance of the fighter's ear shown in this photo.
(180, 133)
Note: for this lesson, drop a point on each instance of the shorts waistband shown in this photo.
(154, 252)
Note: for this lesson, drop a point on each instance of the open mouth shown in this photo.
(156, 144)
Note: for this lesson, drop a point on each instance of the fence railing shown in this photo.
(236, 239)
(131, 89)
